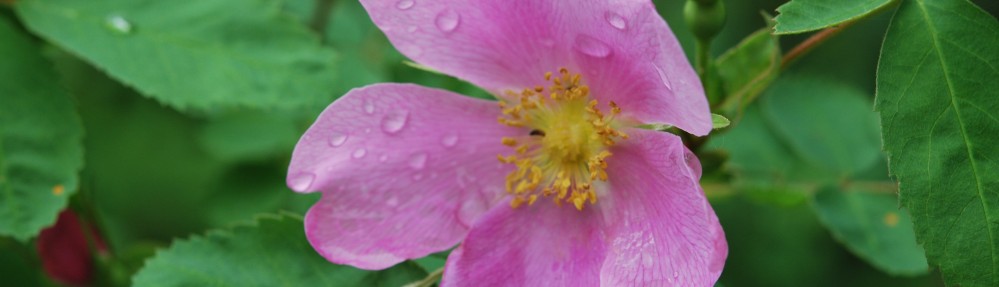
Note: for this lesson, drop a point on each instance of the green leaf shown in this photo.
(804, 131)
(193, 54)
(250, 135)
(937, 84)
(830, 125)
(719, 121)
(41, 138)
(748, 69)
(271, 252)
(872, 227)
(799, 16)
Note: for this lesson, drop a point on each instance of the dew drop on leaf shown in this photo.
(118, 24)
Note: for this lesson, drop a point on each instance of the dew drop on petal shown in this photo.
(418, 177)
(301, 182)
(647, 260)
(412, 29)
(591, 46)
(383, 158)
(470, 210)
(405, 4)
(616, 20)
(118, 24)
(369, 107)
(393, 201)
(367, 130)
(664, 77)
(337, 139)
(418, 161)
(447, 20)
(449, 140)
(394, 122)
(359, 153)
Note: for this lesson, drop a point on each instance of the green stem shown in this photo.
(428, 281)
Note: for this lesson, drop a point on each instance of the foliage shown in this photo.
(40, 139)
(937, 97)
(169, 126)
(271, 252)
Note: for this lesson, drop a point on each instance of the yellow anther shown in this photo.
(509, 141)
(516, 202)
(569, 137)
(522, 149)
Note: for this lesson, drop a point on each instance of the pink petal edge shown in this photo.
(623, 48)
(404, 171)
(659, 210)
(538, 245)
(651, 227)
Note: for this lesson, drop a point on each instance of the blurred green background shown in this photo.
(154, 173)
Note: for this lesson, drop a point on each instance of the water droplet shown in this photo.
(118, 24)
(418, 161)
(337, 139)
(470, 210)
(418, 177)
(647, 260)
(359, 153)
(449, 140)
(301, 182)
(447, 20)
(405, 4)
(394, 122)
(383, 158)
(616, 20)
(367, 130)
(676, 275)
(664, 77)
(369, 107)
(592, 47)
(393, 201)
(412, 29)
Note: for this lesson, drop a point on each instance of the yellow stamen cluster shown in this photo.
(566, 149)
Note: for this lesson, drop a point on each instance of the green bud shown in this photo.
(705, 18)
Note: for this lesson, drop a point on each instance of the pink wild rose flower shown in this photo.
(553, 186)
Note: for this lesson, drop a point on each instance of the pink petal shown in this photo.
(539, 245)
(623, 48)
(661, 229)
(404, 170)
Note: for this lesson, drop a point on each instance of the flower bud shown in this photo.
(705, 18)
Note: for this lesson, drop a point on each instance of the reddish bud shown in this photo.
(65, 252)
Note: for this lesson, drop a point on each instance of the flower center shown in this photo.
(566, 149)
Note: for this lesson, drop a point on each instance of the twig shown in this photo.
(810, 43)
(321, 17)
